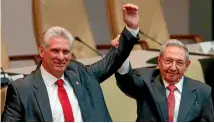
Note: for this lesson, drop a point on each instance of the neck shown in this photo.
(172, 82)
(56, 74)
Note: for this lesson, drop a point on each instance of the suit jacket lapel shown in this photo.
(41, 95)
(160, 94)
(187, 99)
(75, 83)
(78, 90)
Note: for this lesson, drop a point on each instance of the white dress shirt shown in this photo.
(52, 89)
(177, 93)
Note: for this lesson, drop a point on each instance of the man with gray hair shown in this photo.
(62, 89)
(165, 94)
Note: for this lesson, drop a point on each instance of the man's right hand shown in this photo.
(130, 15)
(115, 42)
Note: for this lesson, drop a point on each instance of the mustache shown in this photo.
(173, 72)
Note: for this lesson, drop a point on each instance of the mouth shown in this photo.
(59, 64)
(172, 74)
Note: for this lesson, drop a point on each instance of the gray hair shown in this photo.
(176, 43)
(56, 31)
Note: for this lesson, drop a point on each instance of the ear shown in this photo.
(159, 60)
(188, 63)
(73, 56)
(41, 51)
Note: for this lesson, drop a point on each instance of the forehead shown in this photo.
(59, 42)
(174, 52)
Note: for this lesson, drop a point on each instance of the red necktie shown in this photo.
(171, 102)
(66, 106)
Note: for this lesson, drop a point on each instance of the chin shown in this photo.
(171, 79)
(59, 68)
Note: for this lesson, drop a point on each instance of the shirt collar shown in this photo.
(48, 78)
(179, 84)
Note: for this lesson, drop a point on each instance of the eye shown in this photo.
(54, 51)
(66, 52)
(167, 61)
(180, 63)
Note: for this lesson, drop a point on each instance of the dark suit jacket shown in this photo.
(146, 86)
(27, 99)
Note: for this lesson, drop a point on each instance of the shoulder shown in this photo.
(23, 86)
(147, 74)
(144, 70)
(78, 67)
(74, 65)
(200, 86)
(23, 82)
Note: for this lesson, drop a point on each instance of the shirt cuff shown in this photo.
(134, 32)
(124, 68)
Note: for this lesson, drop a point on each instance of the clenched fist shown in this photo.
(130, 15)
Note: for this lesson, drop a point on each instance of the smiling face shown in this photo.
(56, 56)
(172, 64)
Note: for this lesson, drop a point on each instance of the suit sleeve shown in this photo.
(130, 83)
(12, 111)
(207, 114)
(104, 68)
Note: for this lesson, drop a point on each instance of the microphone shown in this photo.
(149, 37)
(78, 39)
(4, 80)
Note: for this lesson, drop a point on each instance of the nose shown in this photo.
(60, 56)
(173, 66)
